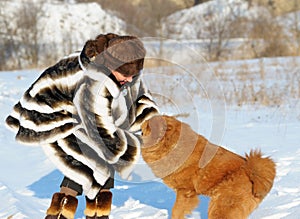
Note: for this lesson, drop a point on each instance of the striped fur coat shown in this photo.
(84, 121)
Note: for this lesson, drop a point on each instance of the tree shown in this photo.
(8, 46)
(28, 31)
(295, 28)
(143, 18)
(268, 36)
(219, 27)
(19, 36)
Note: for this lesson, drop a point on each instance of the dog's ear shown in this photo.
(157, 126)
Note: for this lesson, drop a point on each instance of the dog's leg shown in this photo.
(233, 198)
(186, 201)
(231, 206)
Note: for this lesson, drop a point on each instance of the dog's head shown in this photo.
(163, 134)
(167, 144)
(160, 128)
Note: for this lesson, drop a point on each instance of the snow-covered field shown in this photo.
(237, 104)
(28, 179)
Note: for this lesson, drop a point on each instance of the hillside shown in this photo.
(45, 31)
(181, 3)
(235, 30)
(279, 7)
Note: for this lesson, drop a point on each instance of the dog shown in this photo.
(189, 164)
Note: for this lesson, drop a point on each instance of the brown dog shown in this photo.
(191, 165)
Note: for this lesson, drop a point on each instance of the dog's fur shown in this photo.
(191, 165)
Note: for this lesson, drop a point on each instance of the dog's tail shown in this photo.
(261, 171)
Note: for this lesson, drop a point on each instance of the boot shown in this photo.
(62, 207)
(100, 207)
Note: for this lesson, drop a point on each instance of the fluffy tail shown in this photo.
(261, 172)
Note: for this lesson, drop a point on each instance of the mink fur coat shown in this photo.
(86, 124)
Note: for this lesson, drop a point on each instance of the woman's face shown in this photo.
(121, 78)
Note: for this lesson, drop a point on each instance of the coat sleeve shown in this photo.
(145, 107)
(45, 111)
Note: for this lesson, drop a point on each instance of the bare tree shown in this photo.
(295, 28)
(143, 18)
(19, 35)
(28, 31)
(8, 45)
(268, 36)
(219, 28)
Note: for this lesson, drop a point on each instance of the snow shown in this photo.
(28, 179)
(68, 25)
(192, 23)
(237, 104)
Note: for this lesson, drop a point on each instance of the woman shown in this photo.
(85, 111)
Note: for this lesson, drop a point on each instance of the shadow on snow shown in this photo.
(152, 193)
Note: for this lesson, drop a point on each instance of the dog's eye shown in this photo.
(169, 127)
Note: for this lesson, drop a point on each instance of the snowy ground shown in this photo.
(28, 179)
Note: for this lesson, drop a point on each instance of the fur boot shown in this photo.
(62, 207)
(100, 207)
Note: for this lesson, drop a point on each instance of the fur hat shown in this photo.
(124, 54)
(93, 48)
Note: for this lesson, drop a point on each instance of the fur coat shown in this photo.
(86, 124)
